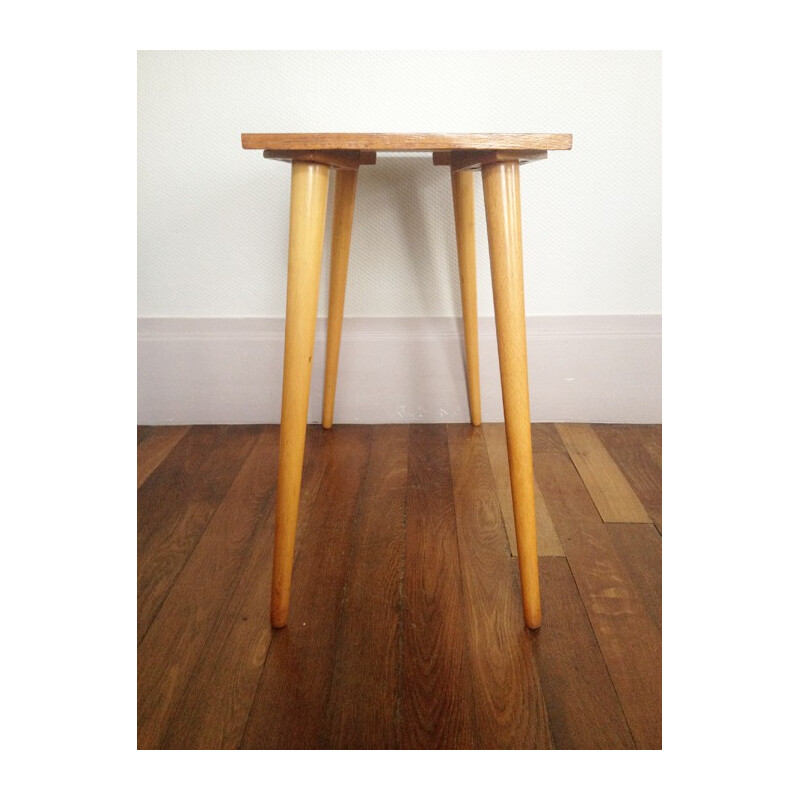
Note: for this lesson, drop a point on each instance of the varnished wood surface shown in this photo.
(436, 697)
(212, 713)
(344, 201)
(363, 704)
(627, 636)
(309, 198)
(343, 159)
(464, 207)
(172, 644)
(189, 482)
(638, 547)
(637, 451)
(612, 494)
(501, 196)
(399, 142)
(289, 707)
(185, 515)
(582, 704)
(547, 539)
(154, 446)
(469, 160)
(509, 707)
(405, 629)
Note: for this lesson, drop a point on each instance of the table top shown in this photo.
(406, 142)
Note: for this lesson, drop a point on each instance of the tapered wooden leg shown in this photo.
(501, 193)
(306, 232)
(343, 204)
(464, 206)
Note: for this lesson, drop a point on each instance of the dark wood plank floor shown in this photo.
(406, 626)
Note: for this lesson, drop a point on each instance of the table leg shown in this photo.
(306, 233)
(464, 207)
(503, 222)
(344, 200)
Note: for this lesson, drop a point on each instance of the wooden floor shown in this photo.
(406, 626)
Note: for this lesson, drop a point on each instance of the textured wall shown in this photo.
(213, 218)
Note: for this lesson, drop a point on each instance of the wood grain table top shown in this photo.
(406, 142)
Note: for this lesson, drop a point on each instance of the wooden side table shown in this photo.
(312, 156)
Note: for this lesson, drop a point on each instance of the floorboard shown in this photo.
(163, 556)
(628, 639)
(214, 709)
(545, 439)
(582, 704)
(549, 544)
(436, 700)
(364, 703)
(406, 627)
(154, 447)
(638, 548)
(190, 482)
(173, 643)
(637, 451)
(288, 710)
(509, 708)
(612, 494)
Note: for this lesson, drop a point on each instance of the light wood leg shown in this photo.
(464, 206)
(503, 222)
(343, 205)
(306, 233)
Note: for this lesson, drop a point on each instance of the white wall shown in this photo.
(213, 218)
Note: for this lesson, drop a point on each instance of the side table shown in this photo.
(313, 155)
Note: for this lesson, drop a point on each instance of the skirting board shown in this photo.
(581, 369)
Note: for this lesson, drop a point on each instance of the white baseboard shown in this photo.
(581, 369)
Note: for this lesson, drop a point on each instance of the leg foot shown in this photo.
(306, 232)
(503, 221)
(464, 206)
(344, 204)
